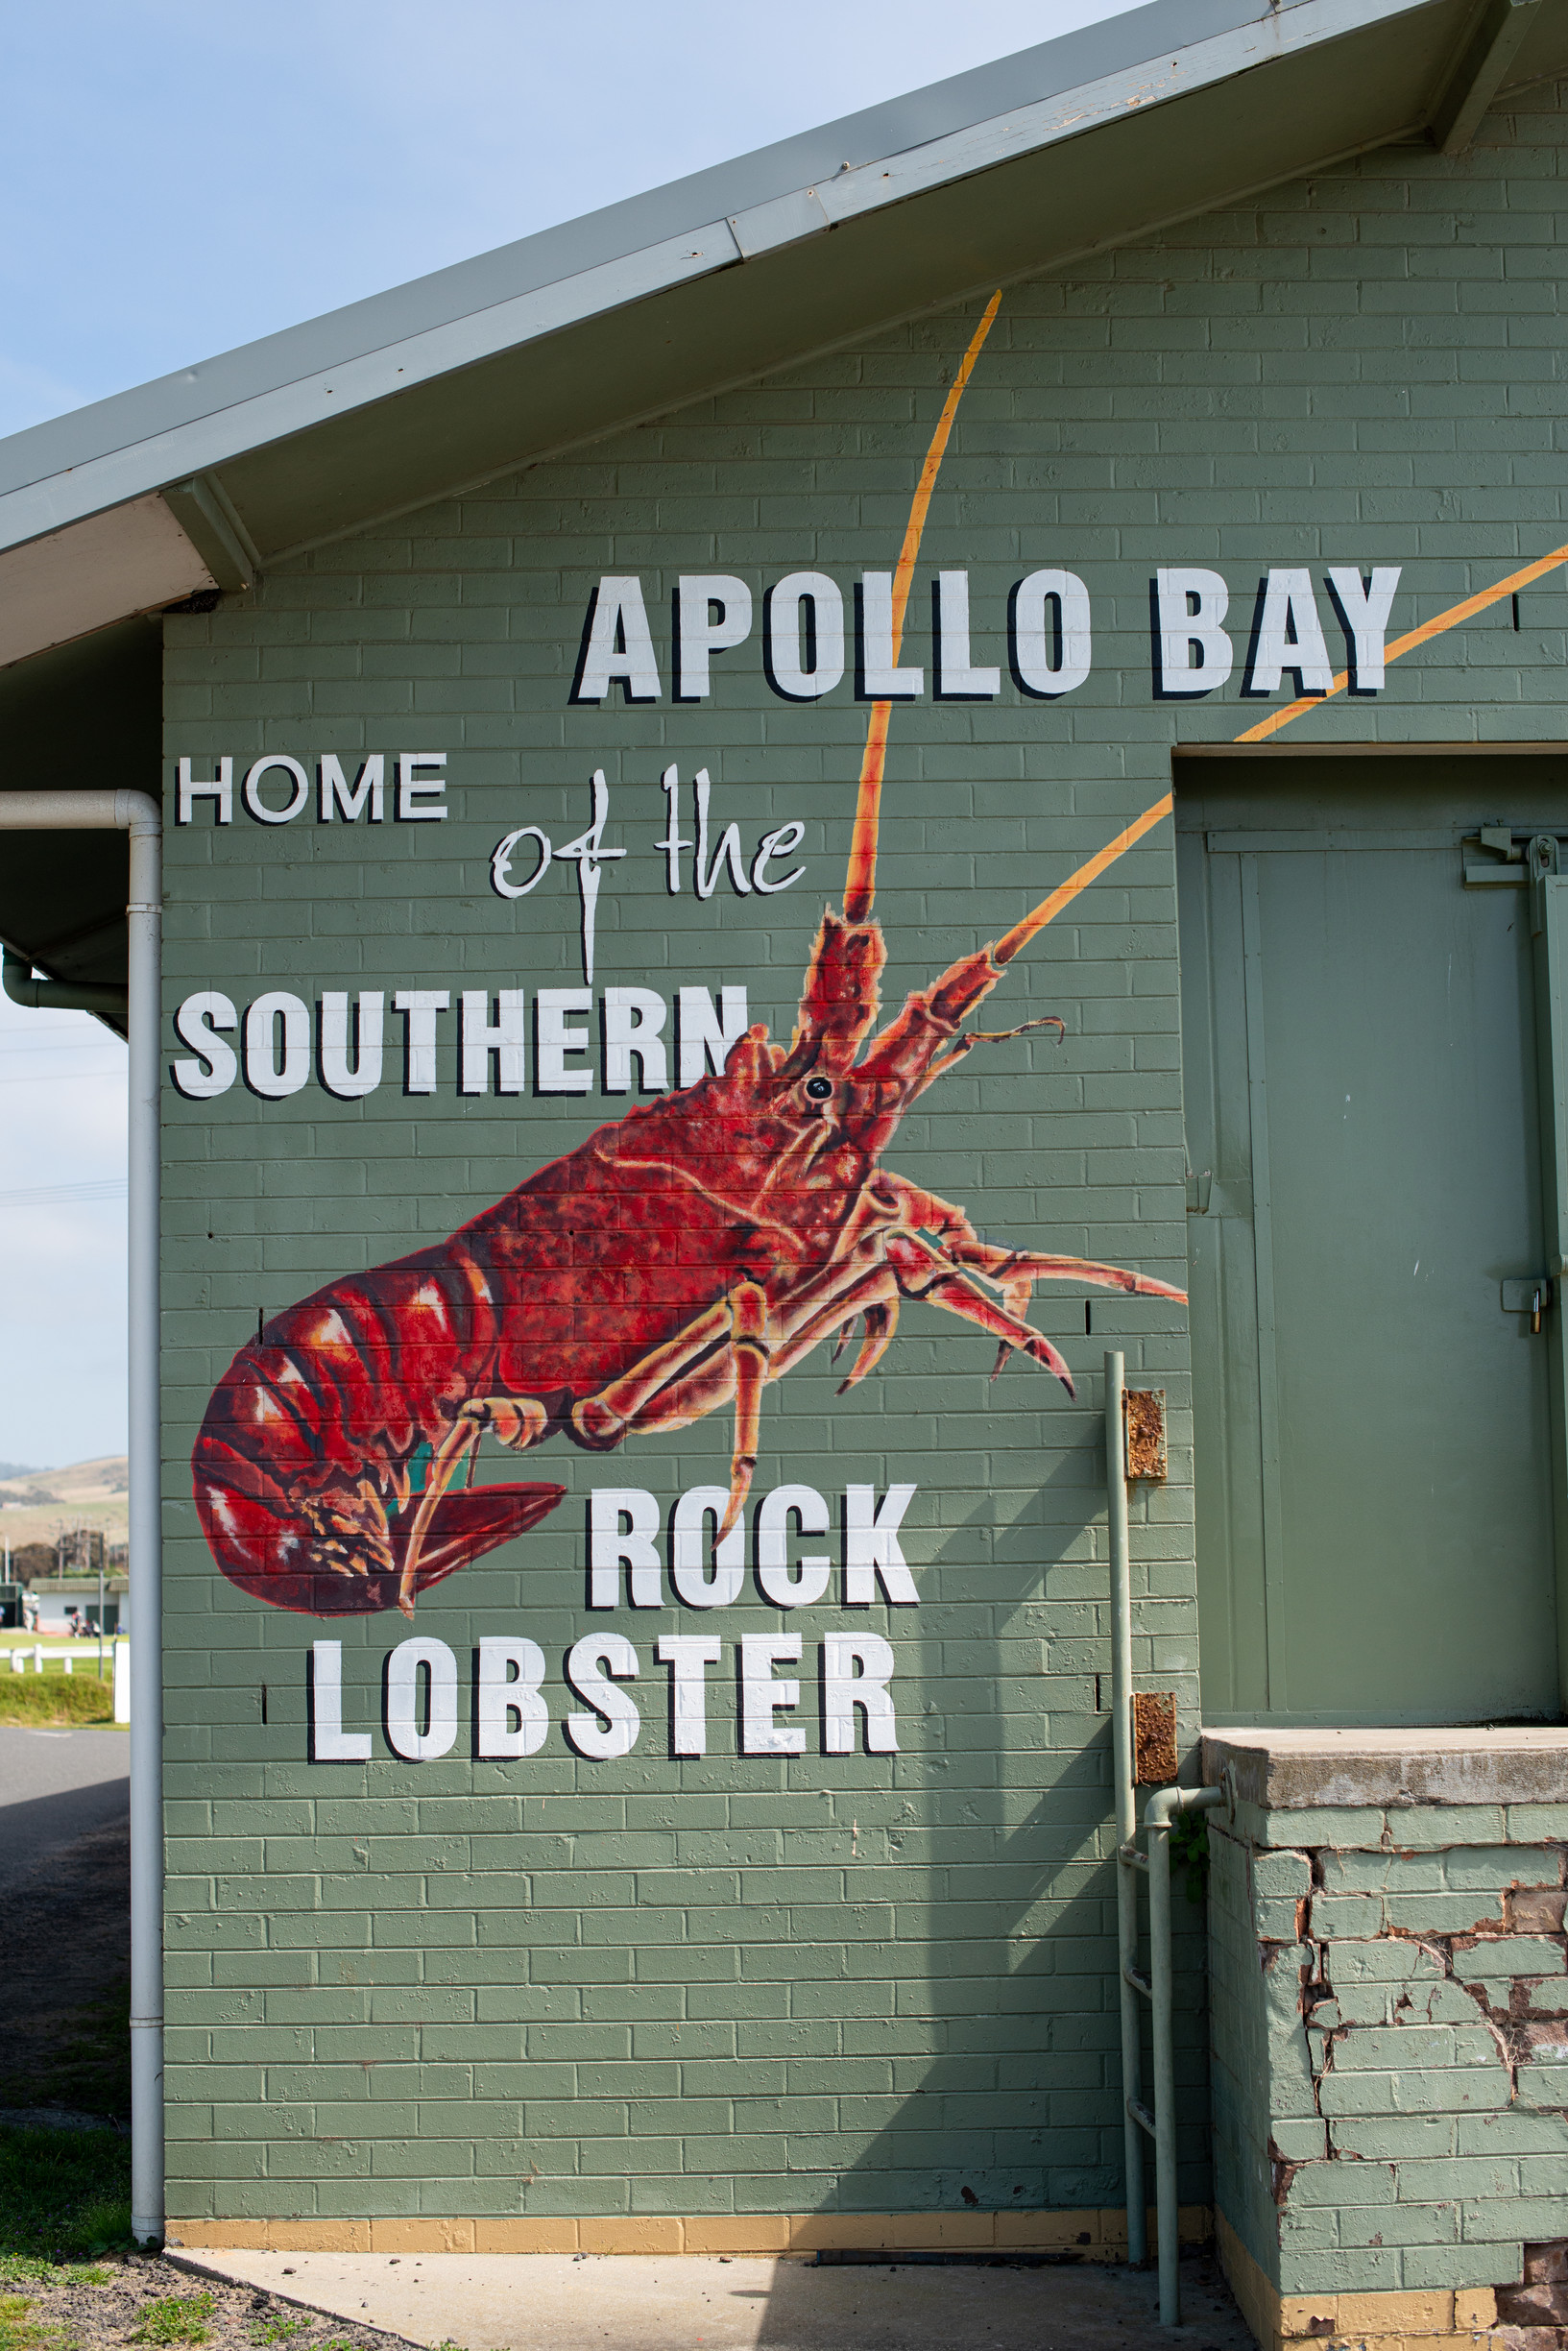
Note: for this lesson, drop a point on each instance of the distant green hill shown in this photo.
(14, 1469)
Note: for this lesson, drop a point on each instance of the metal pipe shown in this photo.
(1158, 1815)
(144, 918)
(1127, 1857)
(57, 995)
(137, 814)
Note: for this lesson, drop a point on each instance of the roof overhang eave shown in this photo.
(383, 372)
(298, 461)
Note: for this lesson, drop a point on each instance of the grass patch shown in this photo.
(278, 2330)
(175, 2318)
(59, 1699)
(64, 2195)
(17, 2332)
(15, 2271)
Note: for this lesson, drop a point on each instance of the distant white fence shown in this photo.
(20, 1660)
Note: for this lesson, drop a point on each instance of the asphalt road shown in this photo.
(55, 1786)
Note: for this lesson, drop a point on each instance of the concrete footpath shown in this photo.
(55, 1786)
(693, 2302)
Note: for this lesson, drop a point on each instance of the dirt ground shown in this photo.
(137, 2300)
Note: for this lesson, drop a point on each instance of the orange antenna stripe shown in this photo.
(1455, 618)
(1046, 912)
(861, 881)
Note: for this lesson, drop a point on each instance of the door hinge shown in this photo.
(1502, 858)
(1530, 1295)
(1498, 856)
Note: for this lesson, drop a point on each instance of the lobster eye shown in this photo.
(819, 1088)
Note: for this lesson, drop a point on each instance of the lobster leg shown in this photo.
(604, 1418)
(750, 1344)
(517, 1421)
(1012, 1271)
(448, 1454)
(881, 1323)
(737, 1327)
(1001, 1265)
(873, 1291)
(924, 1272)
(914, 1267)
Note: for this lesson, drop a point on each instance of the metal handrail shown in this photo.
(1140, 2121)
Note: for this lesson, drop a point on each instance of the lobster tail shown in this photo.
(268, 1550)
(304, 1489)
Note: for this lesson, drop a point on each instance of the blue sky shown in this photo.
(177, 179)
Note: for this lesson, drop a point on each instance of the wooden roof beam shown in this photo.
(1478, 71)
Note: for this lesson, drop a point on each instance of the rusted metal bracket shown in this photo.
(1142, 1420)
(1153, 1737)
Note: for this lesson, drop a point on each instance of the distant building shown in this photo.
(56, 1603)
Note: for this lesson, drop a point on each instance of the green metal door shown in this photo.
(1374, 1426)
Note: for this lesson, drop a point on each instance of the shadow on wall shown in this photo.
(992, 2083)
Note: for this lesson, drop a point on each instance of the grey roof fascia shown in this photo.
(633, 223)
(185, 423)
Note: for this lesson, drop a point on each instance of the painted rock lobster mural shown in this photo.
(674, 1264)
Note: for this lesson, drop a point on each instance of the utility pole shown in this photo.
(100, 1617)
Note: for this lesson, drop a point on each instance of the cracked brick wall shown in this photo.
(1390, 2020)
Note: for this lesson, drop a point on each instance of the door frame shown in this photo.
(1547, 888)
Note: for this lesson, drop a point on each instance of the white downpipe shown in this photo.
(138, 814)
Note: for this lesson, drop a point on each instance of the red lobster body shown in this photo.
(672, 1264)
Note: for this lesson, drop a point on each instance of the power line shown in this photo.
(57, 1052)
(49, 1196)
(72, 1041)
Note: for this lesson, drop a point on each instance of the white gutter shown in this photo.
(138, 814)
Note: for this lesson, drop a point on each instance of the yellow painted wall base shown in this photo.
(1093, 2236)
(1352, 2321)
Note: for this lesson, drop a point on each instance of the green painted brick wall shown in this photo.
(1387, 2066)
(880, 1983)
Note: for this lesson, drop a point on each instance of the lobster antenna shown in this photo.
(1013, 941)
(861, 881)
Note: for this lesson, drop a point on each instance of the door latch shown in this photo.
(1532, 1297)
